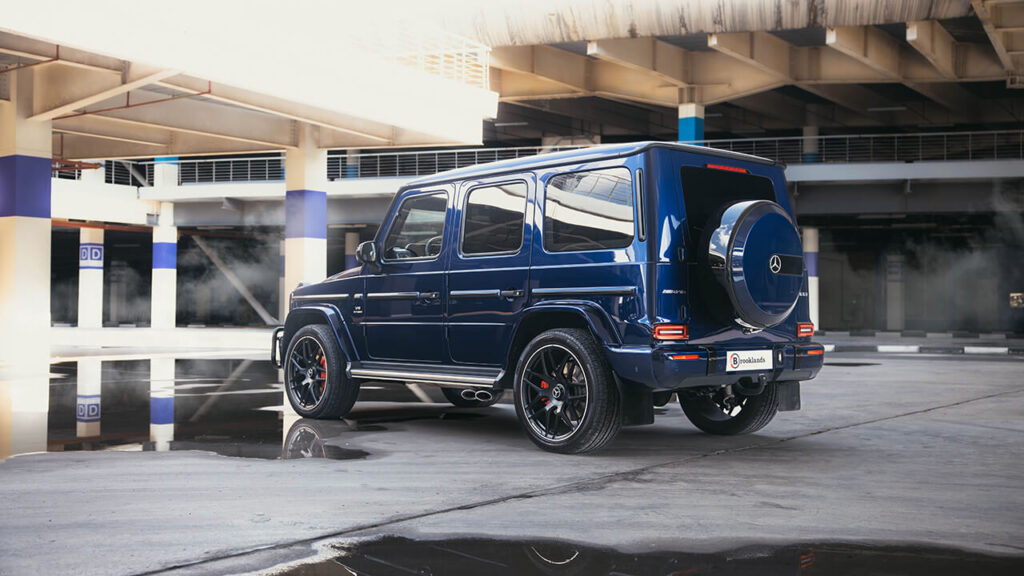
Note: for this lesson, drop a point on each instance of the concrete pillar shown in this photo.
(161, 403)
(305, 212)
(90, 278)
(165, 172)
(164, 303)
(810, 145)
(88, 409)
(282, 288)
(351, 243)
(691, 122)
(25, 158)
(894, 293)
(810, 238)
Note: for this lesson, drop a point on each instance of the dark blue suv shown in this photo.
(593, 284)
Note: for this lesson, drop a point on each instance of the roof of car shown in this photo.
(588, 154)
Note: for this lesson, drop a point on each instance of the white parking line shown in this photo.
(898, 349)
(986, 350)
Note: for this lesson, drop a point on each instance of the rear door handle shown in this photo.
(429, 295)
(512, 293)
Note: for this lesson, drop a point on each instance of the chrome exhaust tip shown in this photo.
(484, 396)
(469, 394)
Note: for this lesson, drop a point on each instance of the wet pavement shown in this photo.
(471, 557)
(896, 464)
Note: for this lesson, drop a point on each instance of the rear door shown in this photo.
(404, 318)
(489, 271)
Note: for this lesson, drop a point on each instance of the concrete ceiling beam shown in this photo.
(869, 46)
(203, 119)
(552, 64)
(932, 41)
(647, 55)
(59, 90)
(994, 16)
(761, 50)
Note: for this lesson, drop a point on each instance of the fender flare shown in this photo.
(597, 319)
(319, 314)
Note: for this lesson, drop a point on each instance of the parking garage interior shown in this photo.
(160, 200)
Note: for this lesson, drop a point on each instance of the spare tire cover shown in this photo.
(755, 254)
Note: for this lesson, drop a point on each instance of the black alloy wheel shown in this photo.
(565, 396)
(315, 381)
(723, 413)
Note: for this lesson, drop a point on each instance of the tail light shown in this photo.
(804, 330)
(671, 332)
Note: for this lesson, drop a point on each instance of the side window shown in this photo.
(589, 211)
(418, 228)
(493, 219)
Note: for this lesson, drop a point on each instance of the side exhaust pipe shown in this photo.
(480, 395)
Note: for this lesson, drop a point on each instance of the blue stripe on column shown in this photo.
(811, 157)
(166, 160)
(90, 256)
(161, 410)
(691, 129)
(305, 214)
(165, 255)
(25, 186)
(350, 261)
(811, 262)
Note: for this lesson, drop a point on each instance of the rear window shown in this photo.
(590, 210)
(706, 190)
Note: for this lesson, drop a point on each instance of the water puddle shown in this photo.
(399, 556)
(228, 406)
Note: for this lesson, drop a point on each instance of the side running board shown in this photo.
(448, 376)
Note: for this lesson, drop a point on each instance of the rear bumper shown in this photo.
(686, 366)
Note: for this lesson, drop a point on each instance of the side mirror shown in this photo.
(366, 253)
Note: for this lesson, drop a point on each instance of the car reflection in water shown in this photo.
(398, 556)
(232, 407)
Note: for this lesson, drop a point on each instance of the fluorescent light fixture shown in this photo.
(887, 109)
(500, 124)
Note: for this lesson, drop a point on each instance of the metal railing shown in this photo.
(206, 171)
(424, 163)
(932, 146)
(940, 146)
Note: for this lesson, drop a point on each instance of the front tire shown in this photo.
(314, 375)
(720, 413)
(565, 396)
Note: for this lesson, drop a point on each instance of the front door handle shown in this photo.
(512, 293)
(429, 295)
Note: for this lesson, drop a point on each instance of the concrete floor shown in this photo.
(912, 449)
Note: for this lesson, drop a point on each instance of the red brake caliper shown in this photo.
(544, 385)
(323, 373)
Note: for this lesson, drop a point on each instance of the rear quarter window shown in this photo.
(591, 210)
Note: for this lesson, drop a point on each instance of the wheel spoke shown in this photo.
(567, 421)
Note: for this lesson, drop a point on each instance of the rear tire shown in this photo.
(565, 396)
(454, 396)
(711, 414)
(314, 374)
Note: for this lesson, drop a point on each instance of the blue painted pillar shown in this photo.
(691, 122)
(810, 239)
(305, 208)
(164, 303)
(161, 403)
(25, 159)
(811, 143)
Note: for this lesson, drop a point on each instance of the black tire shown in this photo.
(581, 387)
(314, 375)
(708, 413)
(454, 396)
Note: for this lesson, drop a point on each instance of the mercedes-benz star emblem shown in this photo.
(775, 263)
